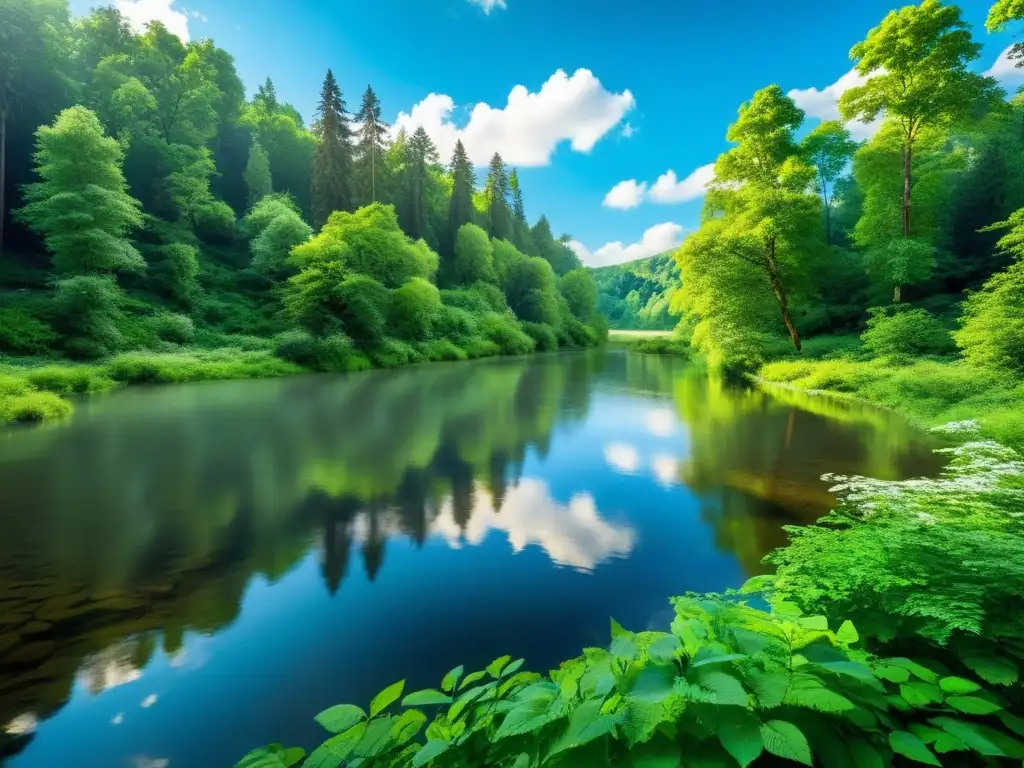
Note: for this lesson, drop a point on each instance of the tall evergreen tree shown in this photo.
(370, 149)
(518, 211)
(257, 174)
(266, 95)
(420, 154)
(460, 209)
(499, 216)
(332, 169)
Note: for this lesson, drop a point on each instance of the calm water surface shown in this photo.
(190, 571)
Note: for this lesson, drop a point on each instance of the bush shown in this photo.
(580, 291)
(141, 368)
(532, 291)
(87, 310)
(312, 298)
(363, 305)
(992, 327)
(414, 307)
(903, 333)
(503, 330)
(478, 346)
(543, 336)
(391, 353)
(454, 323)
(33, 406)
(178, 329)
(337, 354)
(215, 223)
(68, 380)
(272, 249)
(663, 346)
(176, 271)
(474, 259)
(23, 334)
(441, 349)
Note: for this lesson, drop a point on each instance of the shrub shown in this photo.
(532, 291)
(363, 305)
(12, 385)
(580, 291)
(271, 250)
(67, 380)
(474, 302)
(474, 259)
(728, 685)
(503, 330)
(543, 336)
(140, 368)
(87, 310)
(441, 349)
(391, 353)
(177, 270)
(312, 298)
(478, 346)
(414, 307)
(266, 210)
(178, 329)
(454, 323)
(23, 334)
(992, 327)
(337, 354)
(905, 333)
(215, 223)
(33, 406)
(299, 347)
(663, 346)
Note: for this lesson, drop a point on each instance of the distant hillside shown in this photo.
(636, 295)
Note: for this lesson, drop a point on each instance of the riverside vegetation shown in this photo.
(890, 632)
(164, 228)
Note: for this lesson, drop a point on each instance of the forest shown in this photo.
(157, 225)
(638, 295)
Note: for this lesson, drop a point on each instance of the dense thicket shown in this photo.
(638, 294)
(148, 204)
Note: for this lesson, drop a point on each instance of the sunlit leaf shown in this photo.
(973, 705)
(449, 681)
(340, 718)
(429, 751)
(847, 633)
(911, 747)
(784, 739)
(471, 678)
(425, 698)
(512, 668)
(958, 685)
(739, 731)
(407, 726)
(494, 668)
(585, 724)
(386, 698)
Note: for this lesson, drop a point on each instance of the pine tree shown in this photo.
(332, 169)
(499, 217)
(521, 235)
(370, 149)
(460, 210)
(420, 154)
(257, 174)
(267, 95)
(517, 197)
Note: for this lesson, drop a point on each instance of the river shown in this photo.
(189, 571)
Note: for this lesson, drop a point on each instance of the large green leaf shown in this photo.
(407, 726)
(386, 698)
(429, 751)
(494, 668)
(336, 749)
(528, 716)
(597, 682)
(665, 649)
(1014, 723)
(727, 689)
(425, 698)
(625, 647)
(293, 755)
(915, 669)
(970, 734)
(907, 744)
(471, 678)
(892, 674)
(585, 724)
(993, 670)
(653, 684)
(658, 753)
(377, 739)
(512, 668)
(739, 731)
(724, 658)
(919, 694)
(769, 687)
(466, 699)
(340, 718)
(264, 757)
(973, 705)
(817, 698)
(785, 740)
(958, 685)
(847, 633)
(449, 681)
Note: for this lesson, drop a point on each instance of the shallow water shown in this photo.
(190, 571)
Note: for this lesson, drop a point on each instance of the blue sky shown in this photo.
(661, 81)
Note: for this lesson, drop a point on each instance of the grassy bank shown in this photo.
(651, 342)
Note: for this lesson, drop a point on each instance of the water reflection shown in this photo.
(165, 543)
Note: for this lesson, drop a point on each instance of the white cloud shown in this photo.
(149, 701)
(1004, 68)
(824, 104)
(200, 16)
(625, 195)
(622, 457)
(490, 5)
(669, 189)
(574, 535)
(660, 422)
(628, 130)
(658, 239)
(530, 126)
(118, 719)
(666, 469)
(138, 13)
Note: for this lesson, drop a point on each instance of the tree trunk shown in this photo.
(3, 170)
(780, 294)
(828, 224)
(907, 152)
(897, 293)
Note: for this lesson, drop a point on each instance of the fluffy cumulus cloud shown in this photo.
(526, 131)
(824, 104)
(489, 5)
(658, 239)
(625, 195)
(138, 13)
(1005, 69)
(669, 189)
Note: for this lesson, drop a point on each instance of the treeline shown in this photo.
(150, 205)
(638, 295)
(812, 234)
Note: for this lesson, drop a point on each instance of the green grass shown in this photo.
(199, 365)
(930, 392)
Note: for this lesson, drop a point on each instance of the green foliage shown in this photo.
(638, 294)
(543, 336)
(215, 223)
(904, 333)
(531, 289)
(473, 256)
(22, 333)
(580, 292)
(728, 679)
(363, 306)
(178, 329)
(81, 207)
(503, 330)
(175, 270)
(69, 380)
(414, 308)
(271, 250)
(140, 368)
(335, 353)
(257, 174)
(86, 311)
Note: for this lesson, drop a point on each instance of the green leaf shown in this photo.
(471, 678)
(691, 632)
(425, 698)
(386, 697)
(723, 659)
(340, 718)
(739, 731)
(596, 683)
(293, 756)
(784, 739)
(449, 681)
(336, 749)
(958, 685)
(892, 674)
(429, 751)
(847, 633)
(819, 623)
(769, 687)
(1014, 723)
(530, 715)
(512, 668)
(585, 724)
(617, 629)
(912, 748)
(926, 733)
(915, 669)
(658, 753)
(786, 610)
(466, 699)
(653, 684)
(970, 734)
(993, 670)
(948, 743)
(726, 688)
(407, 726)
(377, 738)
(625, 647)
(973, 705)
(818, 698)
(921, 694)
(494, 668)
(864, 755)
(264, 757)
(523, 761)
(664, 649)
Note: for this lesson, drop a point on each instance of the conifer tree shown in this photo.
(460, 210)
(518, 211)
(332, 169)
(420, 154)
(370, 149)
(257, 174)
(499, 216)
